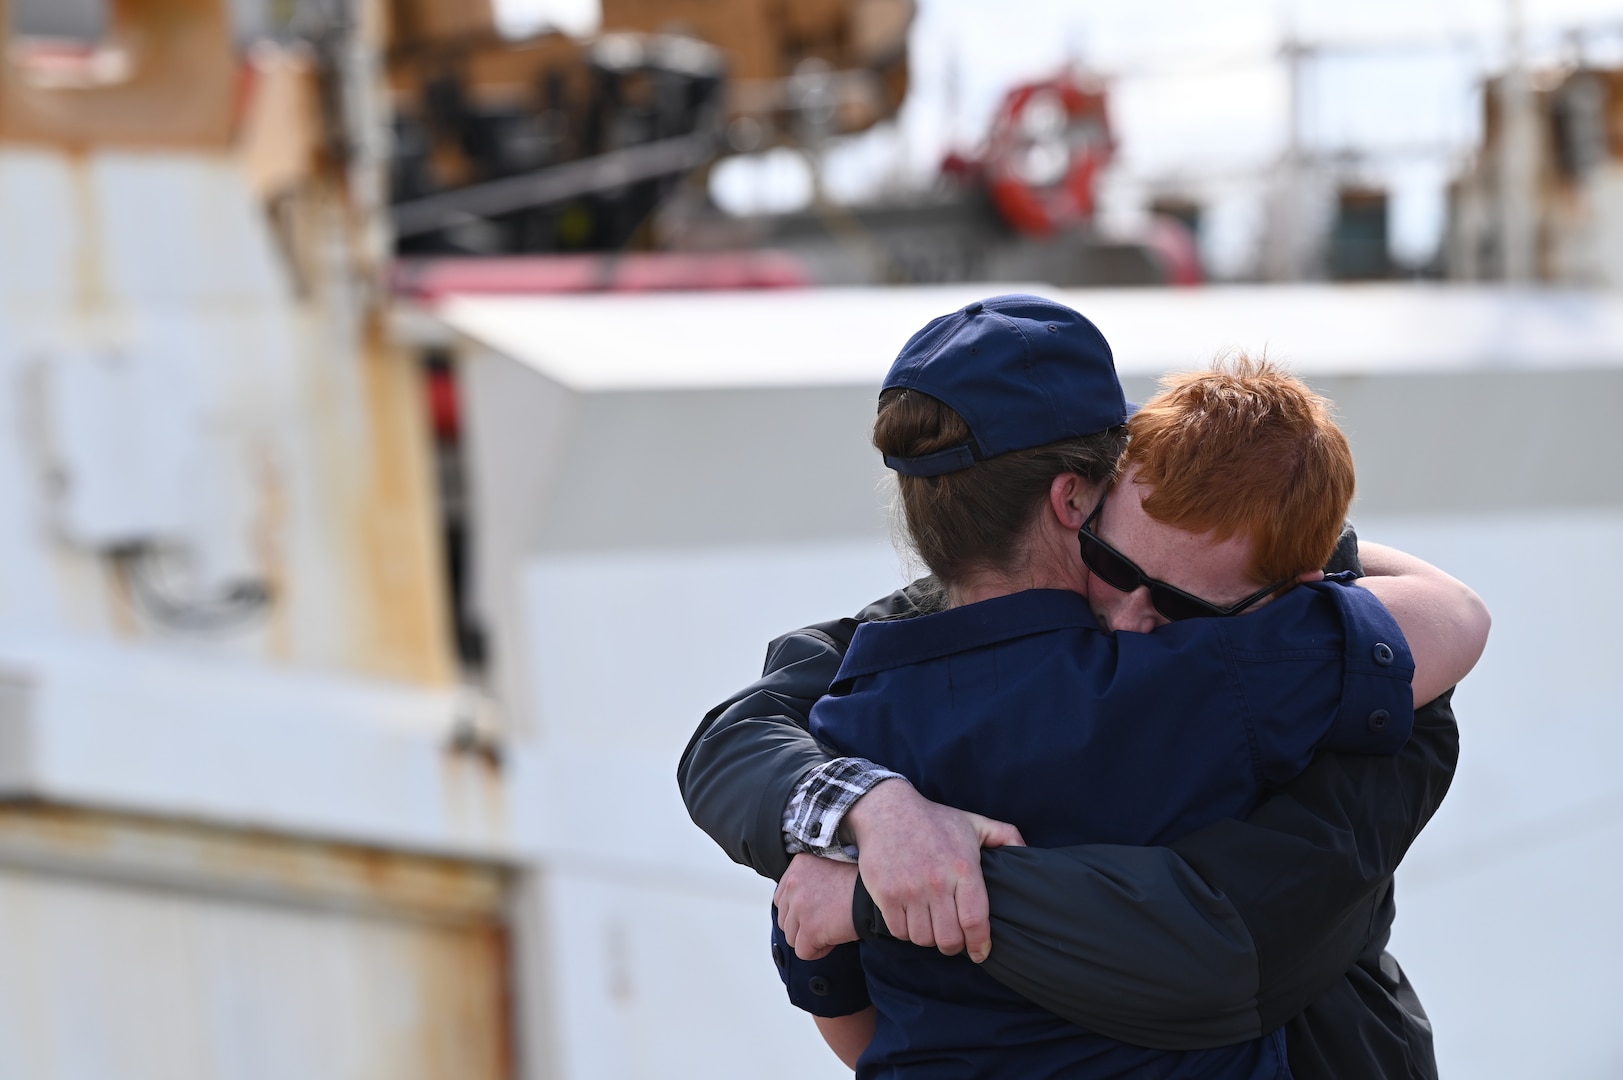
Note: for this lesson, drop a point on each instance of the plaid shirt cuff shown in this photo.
(811, 821)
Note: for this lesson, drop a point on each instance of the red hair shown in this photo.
(1245, 448)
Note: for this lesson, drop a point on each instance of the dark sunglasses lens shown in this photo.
(1176, 606)
(1108, 565)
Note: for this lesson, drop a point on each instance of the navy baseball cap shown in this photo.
(1022, 372)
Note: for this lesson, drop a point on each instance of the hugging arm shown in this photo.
(1232, 930)
(751, 752)
(1444, 622)
(1207, 942)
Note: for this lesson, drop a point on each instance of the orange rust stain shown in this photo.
(457, 972)
(89, 279)
(506, 1011)
(121, 612)
(178, 89)
(268, 542)
(465, 1029)
(279, 142)
(409, 634)
(494, 793)
(475, 789)
(440, 889)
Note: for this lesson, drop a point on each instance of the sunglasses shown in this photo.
(1123, 574)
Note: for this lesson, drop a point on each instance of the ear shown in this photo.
(1071, 499)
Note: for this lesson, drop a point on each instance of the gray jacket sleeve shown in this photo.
(751, 751)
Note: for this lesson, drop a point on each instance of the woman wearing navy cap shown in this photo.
(1004, 421)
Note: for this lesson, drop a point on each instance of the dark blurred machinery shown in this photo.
(1022, 207)
(1357, 247)
(555, 144)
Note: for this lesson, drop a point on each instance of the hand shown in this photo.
(814, 905)
(921, 862)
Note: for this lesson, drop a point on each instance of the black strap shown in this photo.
(865, 914)
(952, 459)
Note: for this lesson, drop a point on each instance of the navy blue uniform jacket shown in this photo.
(1023, 709)
(1281, 917)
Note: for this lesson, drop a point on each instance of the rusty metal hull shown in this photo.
(145, 949)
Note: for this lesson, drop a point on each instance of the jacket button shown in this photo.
(1383, 654)
(816, 829)
(1378, 719)
(818, 985)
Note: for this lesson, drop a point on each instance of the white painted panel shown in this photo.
(28, 591)
(590, 811)
(164, 731)
(654, 983)
(628, 651)
(1508, 912)
(180, 229)
(1539, 717)
(633, 647)
(823, 337)
(126, 439)
(658, 958)
(1516, 949)
(42, 204)
(133, 228)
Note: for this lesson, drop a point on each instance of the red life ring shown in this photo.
(1049, 140)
